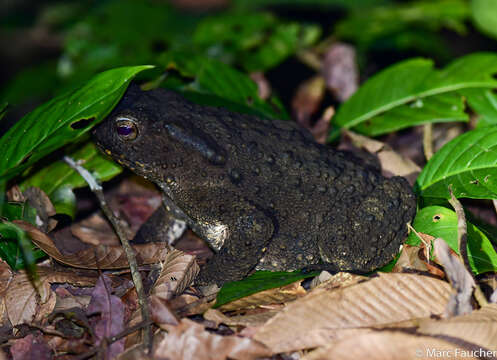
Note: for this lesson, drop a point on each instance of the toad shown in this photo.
(262, 193)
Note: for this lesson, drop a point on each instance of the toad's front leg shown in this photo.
(248, 234)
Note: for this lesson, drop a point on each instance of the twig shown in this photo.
(462, 243)
(130, 254)
(428, 141)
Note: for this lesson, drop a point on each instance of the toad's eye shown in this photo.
(126, 128)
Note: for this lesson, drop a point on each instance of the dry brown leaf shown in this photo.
(22, 300)
(389, 298)
(389, 345)
(341, 71)
(252, 320)
(25, 304)
(97, 257)
(5, 276)
(409, 259)
(342, 280)
(178, 272)
(479, 327)
(190, 340)
(135, 352)
(391, 161)
(95, 230)
(279, 295)
(161, 312)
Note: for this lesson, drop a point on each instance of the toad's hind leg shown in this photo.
(369, 235)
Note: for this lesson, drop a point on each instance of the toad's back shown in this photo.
(262, 192)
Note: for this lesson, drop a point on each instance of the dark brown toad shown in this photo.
(262, 193)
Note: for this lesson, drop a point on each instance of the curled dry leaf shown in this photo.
(391, 162)
(320, 316)
(410, 259)
(389, 345)
(308, 99)
(479, 327)
(189, 340)
(246, 320)
(340, 71)
(279, 295)
(44, 208)
(25, 303)
(96, 257)
(263, 86)
(460, 278)
(178, 272)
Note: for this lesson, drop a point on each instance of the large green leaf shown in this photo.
(485, 16)
(441, 108)
(58, 180)
(259, 281)
(220, 85)
(441, 222)
(62, 120)
(414, 79)
(468, 163)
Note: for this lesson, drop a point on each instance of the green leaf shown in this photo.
(259, 281)
(62, 120)
(485, 16)
(257, 41)
(468, 163)
(312, 4)
(379, 22)
(220, 85)
(31, 83)
(441, 222)
(414, 79)
(484, 103)
(105, 38)
(17, 249)
(441, 108)
(58, 180)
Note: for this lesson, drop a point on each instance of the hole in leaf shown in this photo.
(474, 182)
(81, 124)
(437, 218)
(250, 100)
